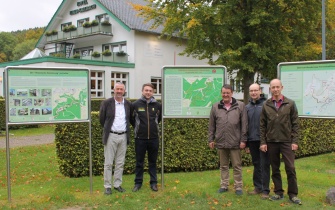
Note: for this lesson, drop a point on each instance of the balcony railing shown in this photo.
(111, 58)
(80, 32)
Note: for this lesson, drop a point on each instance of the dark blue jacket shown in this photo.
(254, 110)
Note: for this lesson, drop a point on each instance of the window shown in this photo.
(157, 83)
(84, 51)
(102, 17)
(82, 21)
(239, 87)
(116, 47)
(119, 77)
(97, 85)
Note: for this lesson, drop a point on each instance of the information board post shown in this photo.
(311, 85)
(190, 92)
(36, 95)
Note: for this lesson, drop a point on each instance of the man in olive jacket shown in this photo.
(228, 123)
(279, 128)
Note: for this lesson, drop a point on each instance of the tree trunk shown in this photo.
(248, 79)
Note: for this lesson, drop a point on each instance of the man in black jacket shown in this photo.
(260, 160)
(115, 117)
(147, 116)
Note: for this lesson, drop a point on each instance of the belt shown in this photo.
(118, 133)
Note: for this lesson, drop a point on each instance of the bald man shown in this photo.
(279, 128)
(260, 160)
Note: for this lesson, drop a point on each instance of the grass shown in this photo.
(40, 130)
(37, 184)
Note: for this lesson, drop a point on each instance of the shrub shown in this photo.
(76, 56)
(107, 53)
(96, 54)
(121, 53)
(94, 23)
(87, 24)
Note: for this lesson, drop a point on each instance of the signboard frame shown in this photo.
(294, 77)
(192, 71)
(39, 72)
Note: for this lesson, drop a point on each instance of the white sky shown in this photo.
(24, 14)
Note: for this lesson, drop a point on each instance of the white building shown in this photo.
(137, 54)
(145, 53)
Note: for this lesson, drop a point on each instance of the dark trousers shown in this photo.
(261, 162)
(141, 147)
(274, 150)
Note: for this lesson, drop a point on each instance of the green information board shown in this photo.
(40, 95)
(311, 85)
(190, 91)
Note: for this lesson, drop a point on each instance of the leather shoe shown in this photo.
(120, 189)
(154, 187)
(108, 191)
(136, 188)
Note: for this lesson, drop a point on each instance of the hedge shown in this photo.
(185, 146)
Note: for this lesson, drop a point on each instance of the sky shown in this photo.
(24, 14)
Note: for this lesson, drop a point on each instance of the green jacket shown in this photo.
(280, 125)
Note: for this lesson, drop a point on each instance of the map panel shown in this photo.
(191, 91)
(311, 85)
(44, 95)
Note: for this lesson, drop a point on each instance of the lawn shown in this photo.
(37, 184)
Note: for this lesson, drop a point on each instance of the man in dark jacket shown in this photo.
(279, 127)
(260, 160)
(115, 117)
(147, 116)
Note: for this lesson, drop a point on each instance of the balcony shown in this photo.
(79, 33)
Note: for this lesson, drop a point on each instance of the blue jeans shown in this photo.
(141, 147)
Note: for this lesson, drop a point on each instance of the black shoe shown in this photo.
(136, 188)
(108, 191)
(154, 187)
(120, 189)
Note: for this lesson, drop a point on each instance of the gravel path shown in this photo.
(26, 140)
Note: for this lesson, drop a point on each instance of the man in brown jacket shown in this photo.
(228, 122)
(279, 128)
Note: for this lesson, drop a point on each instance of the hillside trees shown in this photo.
(249, 36)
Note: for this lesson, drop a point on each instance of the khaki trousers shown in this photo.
(233, 155)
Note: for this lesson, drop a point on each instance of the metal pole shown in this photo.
(162, 170)
(323, 30)
(8, 162)
(90, 153)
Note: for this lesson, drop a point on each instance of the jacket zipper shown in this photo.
(148, 120)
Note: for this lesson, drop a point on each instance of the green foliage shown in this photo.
(107, 53)
(7, 44)
(185, 145)
(77, 56)
(106, 23)
(245, 35)
(87, 24)
(23, 48)
(69, 28)
(94, 23)
(95, 54)
(121, 53)
(95, 104)
(2, 114)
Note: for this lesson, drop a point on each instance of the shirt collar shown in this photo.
(116, 102)
(280, 99)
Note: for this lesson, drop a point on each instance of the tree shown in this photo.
(248, 36)
(7, 44)
(23, 48)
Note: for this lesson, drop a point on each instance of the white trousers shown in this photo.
(115, 149)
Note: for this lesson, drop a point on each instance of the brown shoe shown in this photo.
(254, 192)
(265, 196)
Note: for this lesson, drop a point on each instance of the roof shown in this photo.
(35, 53)
(123, 10)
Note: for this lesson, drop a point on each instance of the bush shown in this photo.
(95, 54)
(94, 23)
(107, 53)
(76, 56)
(121, 53)
(87, 24)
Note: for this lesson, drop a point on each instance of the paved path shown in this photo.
(26, 140)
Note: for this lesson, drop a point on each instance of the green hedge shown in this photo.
(2, 114)
(185, 146)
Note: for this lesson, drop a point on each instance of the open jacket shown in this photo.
(107, 115)
(280, 125)
(228, 128)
